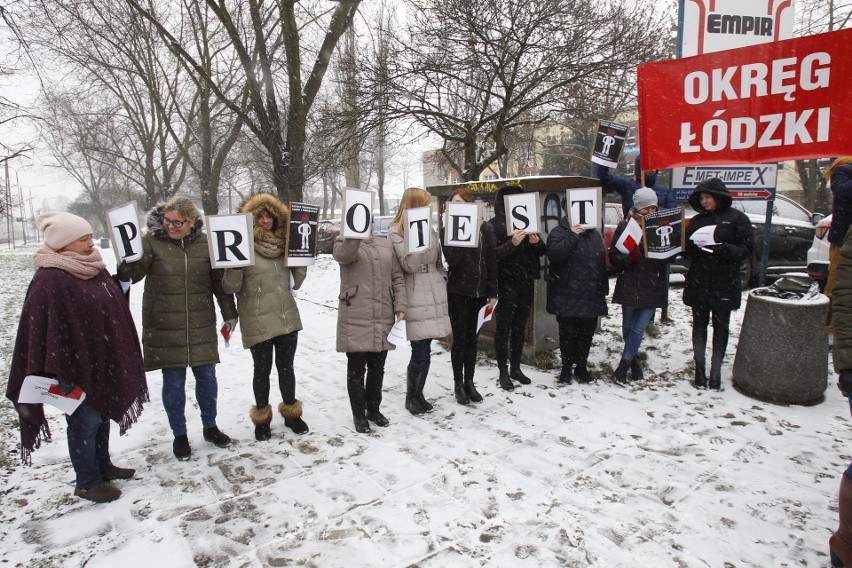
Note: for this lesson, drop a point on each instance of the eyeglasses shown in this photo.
(175, 224)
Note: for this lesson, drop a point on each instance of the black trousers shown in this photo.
(721, 328)
(512, 313)
(575, 339)
(365, 396)
(284, 347)
(463, 314)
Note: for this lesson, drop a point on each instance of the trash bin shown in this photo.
(782, 354)
(104, 243)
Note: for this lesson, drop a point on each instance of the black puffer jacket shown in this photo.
(473, 271)
(713, 280)
(515, 264)
(641, 283)
(578, 282)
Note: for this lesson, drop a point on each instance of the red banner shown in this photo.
(784, 100)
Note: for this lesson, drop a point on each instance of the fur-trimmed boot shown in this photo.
(261, 418)
(292, 414)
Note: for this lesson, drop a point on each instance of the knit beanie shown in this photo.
(644, 197)
(61, 229)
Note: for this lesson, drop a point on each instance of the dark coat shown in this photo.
(841, 310)
(841, 208)
(81, 332)
(713, 279)
(578, 282)
(626, 187)
(641, 282)
(473, 271)
(515, 264)
(178, 313)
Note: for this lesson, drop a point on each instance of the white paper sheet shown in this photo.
(41, 390)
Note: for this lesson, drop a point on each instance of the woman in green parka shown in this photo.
(178, 316)
(269, 316)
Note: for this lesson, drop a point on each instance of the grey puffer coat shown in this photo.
(428, 315)
(178, 313)
(372, 291)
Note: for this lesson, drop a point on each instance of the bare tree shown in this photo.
(259, 33)
(473, 71)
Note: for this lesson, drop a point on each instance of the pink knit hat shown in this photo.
(61, 229)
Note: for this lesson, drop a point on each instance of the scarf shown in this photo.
(269, 246)
(83, 267)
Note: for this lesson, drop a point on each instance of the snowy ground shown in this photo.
(654, 475)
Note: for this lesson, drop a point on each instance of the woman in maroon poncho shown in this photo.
(76, 327)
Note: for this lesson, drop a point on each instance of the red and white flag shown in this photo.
(630, 238)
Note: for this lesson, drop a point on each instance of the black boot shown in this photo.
(515, 354)
(361, 424)
(420, 398)
(565, 375)
(518, 375)
(700, 376)
(461, 394)
(636, 373)
(716, 374)
(412, 404)
(720, 344)
(621, 370)
(373, 415)
(470, 389)
(583, 375)
(504, 380)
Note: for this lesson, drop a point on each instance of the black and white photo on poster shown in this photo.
(231, 240)
(663, 233)
(609, 143)
(522, 212)
(461, 228)
(418, 229)
(302, 248)
(357, 220)
(125, 232)
(585, 207)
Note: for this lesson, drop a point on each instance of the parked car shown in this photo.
(791, 235)
(818, 253)
(327, 233)
(381, 224)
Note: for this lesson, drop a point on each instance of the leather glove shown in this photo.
(123, 272)
(64, 388)
(844, 382)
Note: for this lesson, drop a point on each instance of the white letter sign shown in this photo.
(357, 222)
(462, 227)
(231, 240)
(418, 229)
(584, 207)
(521, 212)
(125, 232)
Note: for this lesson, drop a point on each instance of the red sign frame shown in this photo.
(784, 100)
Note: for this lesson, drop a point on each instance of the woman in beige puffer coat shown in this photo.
(427, 317)
(372, 297)
(269, 317)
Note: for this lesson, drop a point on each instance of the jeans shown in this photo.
(285, 352)
(174, 396)
(463, 315)
(633, 324)
(88, 445)
(420, 355)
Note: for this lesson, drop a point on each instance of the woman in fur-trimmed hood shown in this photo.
(269, 316)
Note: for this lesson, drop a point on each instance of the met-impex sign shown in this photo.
(744, 182)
